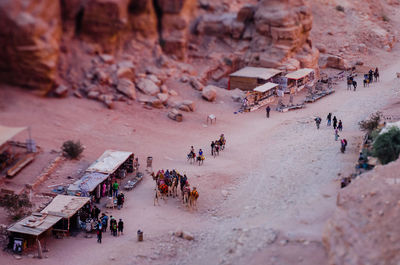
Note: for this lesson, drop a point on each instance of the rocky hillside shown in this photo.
(364, 228)
(90, 45)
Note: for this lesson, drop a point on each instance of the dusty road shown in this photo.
(279, 177)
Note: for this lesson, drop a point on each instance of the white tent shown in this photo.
(109, 161)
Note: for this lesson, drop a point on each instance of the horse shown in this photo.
(376, 75)
(191, 157)
(366, 82)
(193, 196)
(200, 159)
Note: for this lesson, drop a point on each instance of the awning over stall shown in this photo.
(88, 182)
(266, 87)
(35, 224)
(256, 72)
(301, 73)
(109, 161)
(65, 206)
(6, 133)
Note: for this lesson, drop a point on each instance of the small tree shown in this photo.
(72, 149)
(387, 146)
(372, 123)
(16, 205)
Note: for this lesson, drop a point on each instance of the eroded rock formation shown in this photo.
(364, 228)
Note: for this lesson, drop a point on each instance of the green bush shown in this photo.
(17, 206)
(385, 18)
(387, 146)
(339, 8)
(72, 149)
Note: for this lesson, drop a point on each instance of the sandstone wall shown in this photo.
(29, 38)
(364, 228)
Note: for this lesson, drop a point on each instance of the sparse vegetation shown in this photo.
(372, 123)
(72, 149)
(386, 147)
(385, 18)
(339, 8)
(228, 61)
(17, 206)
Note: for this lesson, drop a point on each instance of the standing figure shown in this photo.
(336, 134)
(354, 85)
(334, 122)
(120, 227)
(212, 147)
(318, 122)
(99, 234)
(329, 119)
(340, 126)
(268, 109)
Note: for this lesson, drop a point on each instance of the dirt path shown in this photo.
(279, 175)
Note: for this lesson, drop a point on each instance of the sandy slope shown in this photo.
(281, 175)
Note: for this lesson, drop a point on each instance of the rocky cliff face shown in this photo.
(271, 33)
(364, 228)
(30, 33)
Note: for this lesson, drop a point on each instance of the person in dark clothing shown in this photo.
(99, 235)
(329, 119)
(104, 221)
(111, 224)
(96, 212)
(212, 147)
(268, 109)
(340, 125)
(120, 227)
(115, 227)
(334, 122)
(119, 201)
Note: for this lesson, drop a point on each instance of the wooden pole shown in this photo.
(40, 252)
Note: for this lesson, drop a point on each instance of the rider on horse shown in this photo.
(201, 154)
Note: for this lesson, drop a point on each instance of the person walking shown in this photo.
(334, 122)
(99, 234)
(212, 147)
(340, 125)
(318, 122)
(120, 227)
(329, 119)
(336, 134)
(119, 201)
(268, 109)
(115, 188)
(354, 85)
(111, 224)
(115, 227)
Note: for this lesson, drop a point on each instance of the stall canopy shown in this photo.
(35, 224)
(266, 87)
(6, 133)
(88, 182)
(256, 72)
(109, 161)
(299, 74)
(65, 206)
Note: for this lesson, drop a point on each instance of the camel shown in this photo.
(186, 193)
(173, 189)
(193, 196)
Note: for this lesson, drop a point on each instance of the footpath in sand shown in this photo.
(279, 176)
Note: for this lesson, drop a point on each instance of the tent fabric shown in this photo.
(299, 73)
(256, 72)
(109, 161)
(265, 87)
(6, 133)
(34, 224)
(88, 182)
(65, 206)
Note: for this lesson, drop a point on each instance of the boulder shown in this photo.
(187, 236)
(156, 103)
(209, 93)
(61, 91)
(107, 100)
(154, 79)
(126, 87)
(333, 61)
(184, 107)
(30, 33)
(164, 89)
(196, 84)
(163, 97)
(175, 115)
(147, 87)
(125, 72)
(93, 94)
(107, 58)
(190, 104)
(173, 92)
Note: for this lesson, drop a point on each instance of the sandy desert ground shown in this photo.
(264, 200)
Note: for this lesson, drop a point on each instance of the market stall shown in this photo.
(28, 231)
(297, 80)
(260, 96)
(249, 78)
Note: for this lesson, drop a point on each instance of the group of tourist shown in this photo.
(167, 183)
(216, 146)
(368, 79)
(116, 228)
